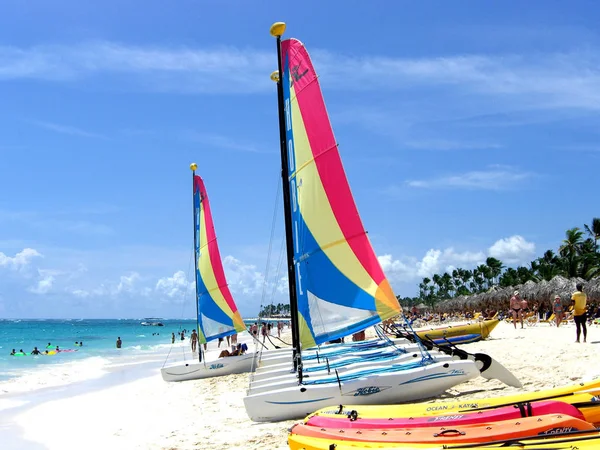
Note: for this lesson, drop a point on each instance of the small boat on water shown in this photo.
(152, 322)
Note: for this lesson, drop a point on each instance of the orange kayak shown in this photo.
(485, 432)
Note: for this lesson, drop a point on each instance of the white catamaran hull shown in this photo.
(291, 379)
(386, 388)
(197, 370)
(350, 360)
(271, 358)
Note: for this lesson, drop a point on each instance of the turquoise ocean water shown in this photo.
(98, 336)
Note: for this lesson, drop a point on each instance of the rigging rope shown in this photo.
(183, 305)
(268, 264)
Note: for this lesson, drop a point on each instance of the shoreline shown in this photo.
(136, 409)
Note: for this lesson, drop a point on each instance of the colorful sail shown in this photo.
(218, 315)
(341, 287)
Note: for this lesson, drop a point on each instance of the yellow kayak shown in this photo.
(577, 393)
(588, 442)
(482, 329)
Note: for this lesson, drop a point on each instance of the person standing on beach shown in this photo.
(557, 309)
(515, 308)
(194, 340)
(264, 331)
(119, 342)
(172, 338)
(579, 302)
(234, 338)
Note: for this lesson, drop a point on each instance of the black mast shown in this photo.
(277, 30)
(194, 166)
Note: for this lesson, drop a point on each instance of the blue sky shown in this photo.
(467, 129)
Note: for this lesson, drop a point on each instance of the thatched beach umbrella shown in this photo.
(592, 289)
(542, 292)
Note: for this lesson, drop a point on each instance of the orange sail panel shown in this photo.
(218, 315)
(341, 287)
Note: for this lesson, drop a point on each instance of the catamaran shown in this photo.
(337, 286)
(217, 313)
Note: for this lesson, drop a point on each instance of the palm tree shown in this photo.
(424, 289)
(547, 267)
(486, 276)
(570, 250)
(510, 277)
(524, 274)
(594, 231)
(496, 267)
(447, 285)
(465, 276)
(437, 281)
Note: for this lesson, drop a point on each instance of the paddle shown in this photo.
(538, 399)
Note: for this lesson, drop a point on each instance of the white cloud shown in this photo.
(434, 261)
(175, 286)
(178, 69)
(550, 80)
(513, 250)
(79, 293)
(495, 178)
(43, 286)
(447, 145)
(406, 270)
(225, 142)
(67, 129)
(21, 260)
(394, 268)
(243, 278)
(127, 283)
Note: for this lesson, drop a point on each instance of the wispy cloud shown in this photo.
(173, 69)
(447, 145)
(67, 129)
(554, 80)
(548, 80)
(496, 178)
(60, 220)
(80, 226)
(585, 148)
(223, 142)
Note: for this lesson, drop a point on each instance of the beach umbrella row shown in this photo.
(541, 292)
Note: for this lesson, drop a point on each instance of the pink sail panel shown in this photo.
(214, 293)
(329, 165)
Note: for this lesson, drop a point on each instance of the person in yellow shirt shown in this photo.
(579, 302)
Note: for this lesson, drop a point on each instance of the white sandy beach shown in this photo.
(149, 413)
